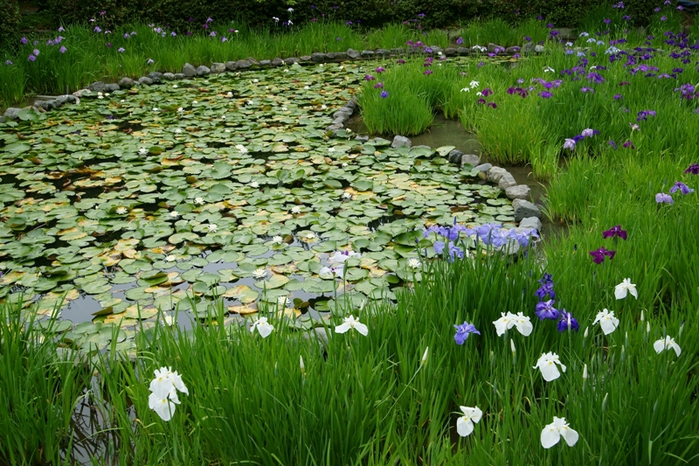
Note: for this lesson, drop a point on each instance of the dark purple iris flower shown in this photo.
(644, 114)
(545, 94)
(693, 169)
(599, 254)
(567, 322)
(463, 331)
(615, 231)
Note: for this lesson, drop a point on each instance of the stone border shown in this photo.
(189, 71)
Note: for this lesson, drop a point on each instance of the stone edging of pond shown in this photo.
(527, 214)
(45, 103)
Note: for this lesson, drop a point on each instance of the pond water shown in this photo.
(145, 203)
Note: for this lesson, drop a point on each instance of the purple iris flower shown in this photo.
(615, 231)
(644, 114)
(487, 91)
(693, 169)
(459, 41)
(569, 144)
(567, 322)
(628, 144)
(439, 247)
(384, 94)
(378, 86)
(595, 78)
(613, 144)
(587, 89)
(661, 198)
(545, 94)
(599, 254)
(380, 69)
(463, 331)
(545, 310)
(681, 187)
(369, 77)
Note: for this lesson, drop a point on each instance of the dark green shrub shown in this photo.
(9, 20)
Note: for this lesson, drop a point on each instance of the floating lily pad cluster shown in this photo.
(170, 197)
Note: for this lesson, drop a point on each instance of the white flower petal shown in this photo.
(464, 426)
(361, 328)
(342, 328)
(550, 436)
(569, 435)
(549, 371)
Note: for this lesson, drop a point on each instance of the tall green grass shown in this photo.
(392, 397)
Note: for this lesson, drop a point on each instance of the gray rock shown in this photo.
(276, 62)
(334, 127)
(530, 222)
(495, 173)
(455, 156)
(42, 104)
(470, 159)
(436, 49)
(463, 51)
(368, 54)
(305, 58)
(382, 52)
(231, 65)
(189, 70)
(291, 60)
(400, 141)
(397, 51)
(145, 81)
(520, 191)
(484, 167)
(528, 47)
(344, 112)
(524, 209)
(341, 56)
(253, 62)
(506, 181)
(351, 104)
(339, 122)
(218, 67)
(203, 70)
(362, 138)
(111, 87)
(492, 47)
(2, 119)
(66, 99)
(180, 76)
(265, 63)
(353, 54)
(156, 76)
(168, 76)
(98, 86)
(318, 57)
(330, 56)
(513, 49)
(450, 51)
(126, 83)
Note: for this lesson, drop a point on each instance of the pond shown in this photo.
(157, 202)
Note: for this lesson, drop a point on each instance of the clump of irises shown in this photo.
(545, 309)
(570, 143)
(490, 234)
